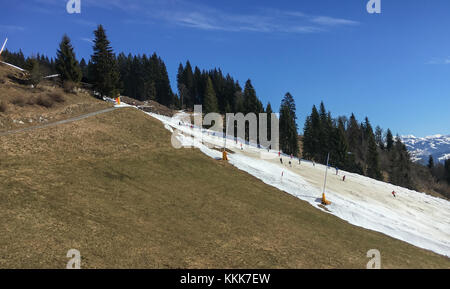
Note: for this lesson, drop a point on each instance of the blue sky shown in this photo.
(393, 67)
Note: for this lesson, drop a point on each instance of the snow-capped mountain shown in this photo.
(421, 148)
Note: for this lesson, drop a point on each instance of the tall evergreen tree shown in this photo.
(210, 103)
(251, 102)
(373, 164)
(164, 94)
(189, 82)
(447, 170)
(340, 146)
(389, 140)
(269, 112)
(199, 86)
(67, 65)
(430, 162)
(105, 72)
(311, 136)
(400, 169)
(182, 89)
(354, 135)
(35, 72)
(307, 141)
(325, 133)
(239, 100)
(379, 137)
(367, 136)
(288, 126)
(84, 71)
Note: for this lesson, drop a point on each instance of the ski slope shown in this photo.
(413, 217)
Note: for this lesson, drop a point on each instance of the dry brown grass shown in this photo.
(112, 187)
(19, 100)
(69, 86)
(3, 106)
(56, 97)
(47, 103)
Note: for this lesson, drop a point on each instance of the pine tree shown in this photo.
(188, 77)
(400, 169)
(182, 89)
(269, 112)
(311, 136)
(198, 86)
(105, 72)
(325, 133)
(379, 137)
(210, 103)
(288, 126)
(447, 170)
(251, 102)
(430, 162)
(340, 146)
(67, 65)
(307, 141)
(367, 136)
(239, 100)
(354, 135)
(35, 72)
(389, 140)
(164, 94)
(84, 71)
(229, 90)
(373, 164)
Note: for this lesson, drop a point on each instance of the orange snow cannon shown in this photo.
(224, 156)
(118, 100)
(325, 201)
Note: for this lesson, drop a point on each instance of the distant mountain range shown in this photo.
(421, 148)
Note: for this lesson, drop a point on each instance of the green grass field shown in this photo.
(112, 187)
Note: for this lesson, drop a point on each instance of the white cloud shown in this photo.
(264, 21)
(203, 17)
(442, 60)
(330, 21)
(91, 41)
(11, 27)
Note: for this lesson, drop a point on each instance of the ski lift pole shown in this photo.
(224, 152)
(326, 172)
(226, 128)
(324, 199)
(3, 47)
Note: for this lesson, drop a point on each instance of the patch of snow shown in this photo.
(413, 217)
(420, 149)
(13, 66)
(51, 76)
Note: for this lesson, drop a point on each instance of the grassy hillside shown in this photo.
(113, 187)
(22, 106)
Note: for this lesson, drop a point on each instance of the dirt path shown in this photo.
(69, 120)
